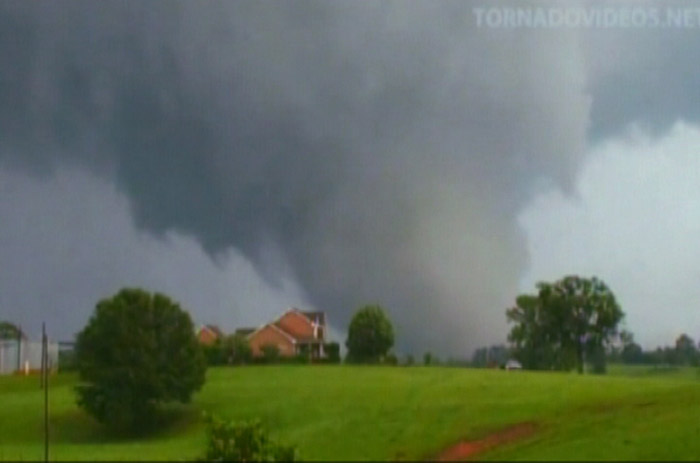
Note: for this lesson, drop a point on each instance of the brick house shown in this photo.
(293, 332)
(209, 334)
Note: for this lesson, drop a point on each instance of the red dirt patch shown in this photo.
(466, 449)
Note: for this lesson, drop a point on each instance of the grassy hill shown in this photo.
(361, 413)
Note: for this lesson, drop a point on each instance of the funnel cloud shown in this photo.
(373, 152)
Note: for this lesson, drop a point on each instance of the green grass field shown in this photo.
(361, 413)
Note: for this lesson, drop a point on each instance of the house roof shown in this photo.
(279, 326)
(274, 326)
(315, 317)
(214, 329)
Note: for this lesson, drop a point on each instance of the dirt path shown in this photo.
(466, 449)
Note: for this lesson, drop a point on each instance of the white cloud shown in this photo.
(634, 221)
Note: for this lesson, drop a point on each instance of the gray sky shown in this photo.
(71, 241)
(248, 156)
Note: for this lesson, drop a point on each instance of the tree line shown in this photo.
(139, 350)
(684, 352)
(572, 323)
(623, 350)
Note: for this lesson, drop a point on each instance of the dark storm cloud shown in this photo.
(68, 240)
(646, 76)
(373, 152)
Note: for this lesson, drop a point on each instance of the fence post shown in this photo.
(45, 382)
(19, 349)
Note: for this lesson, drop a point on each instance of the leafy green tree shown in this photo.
(534, 347)
(669, 355)
(236, 350)
(564, 322)
(686, 354)
(427, 358)
(596, 357)
(631, 351)
(370, 335)
(138, 351)
(9, 331)
(656, 356)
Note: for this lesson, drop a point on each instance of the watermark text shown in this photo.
(594, 18)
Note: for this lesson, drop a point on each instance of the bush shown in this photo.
(332, 350)
(391, 359)
(410, 360)
(137, 352)
(428, 358)
(236, 350)
(246, 441)
(214, 353)
(271, 353)
(304, 355)
(280, 360)
(233, 349)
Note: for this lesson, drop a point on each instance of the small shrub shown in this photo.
(271, 353)
(245, 441)
(428, 358)
(391, 359)
(213, 353)
(236, 350)
(304, 355)
(332, 350)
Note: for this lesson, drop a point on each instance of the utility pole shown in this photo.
(43, 356)
(45, 383)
